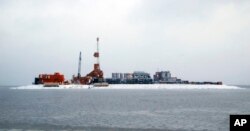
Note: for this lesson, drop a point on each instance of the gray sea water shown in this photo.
(132, 110)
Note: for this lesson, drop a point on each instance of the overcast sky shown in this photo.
(196, 40)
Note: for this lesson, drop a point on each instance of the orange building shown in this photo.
(50, 78)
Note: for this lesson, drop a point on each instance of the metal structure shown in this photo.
(79, 65)
(97, 51)
(95, 76)
(97, 73)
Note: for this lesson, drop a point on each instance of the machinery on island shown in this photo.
(95, 76)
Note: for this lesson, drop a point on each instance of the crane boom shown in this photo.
(79, 65)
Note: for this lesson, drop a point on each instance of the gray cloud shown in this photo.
(195, 40)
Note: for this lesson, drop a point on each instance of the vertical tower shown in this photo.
(79, 65)
(97, 74)
(96, 54)
(97, 49)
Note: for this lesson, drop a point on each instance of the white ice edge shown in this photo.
(133, 86)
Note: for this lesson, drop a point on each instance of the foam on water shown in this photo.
(133, 86)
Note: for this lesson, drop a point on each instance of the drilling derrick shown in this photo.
(96, 74)
(97, 51)
(96, 54)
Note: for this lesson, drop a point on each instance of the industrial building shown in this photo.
(165, 77)
(137, 77)
(117, 76)
(128, 75)
(162, 76)
(141, 75)
(50, 78)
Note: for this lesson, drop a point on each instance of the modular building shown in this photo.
(50, 78)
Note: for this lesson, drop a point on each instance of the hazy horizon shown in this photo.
(194, 40)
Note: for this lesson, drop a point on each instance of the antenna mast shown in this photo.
(79, 65)
(97, 40)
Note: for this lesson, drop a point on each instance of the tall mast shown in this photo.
(79, 65)
(96, 54)
(97, 42)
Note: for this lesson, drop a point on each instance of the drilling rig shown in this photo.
(95, 76)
